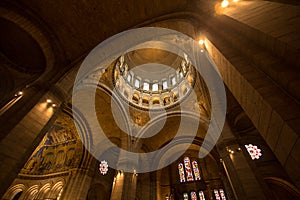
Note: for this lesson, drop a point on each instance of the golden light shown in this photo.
(235, 1)
(224, 3)
(43, 106)
(20, 93)
(49, 101)
(53, 105)
(201, 41)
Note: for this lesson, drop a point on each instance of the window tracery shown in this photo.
(253, 151)
(188, 169)
(193, 195)
(219, 194)
(181, 172)
(196, 170)
(188, 172)
(185, 196)
(201, 195)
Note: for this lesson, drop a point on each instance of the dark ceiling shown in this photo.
(20, 48)
(82, 24)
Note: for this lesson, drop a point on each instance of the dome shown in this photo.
(153, 79)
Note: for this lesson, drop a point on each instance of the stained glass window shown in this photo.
(185, 196)
(188, 169)
(181, 172)
(193, 195)
(217, 196)
(222, 194)
(201, 195)
(192, 172)
(103, 167)
(196, 170)
(254, 151)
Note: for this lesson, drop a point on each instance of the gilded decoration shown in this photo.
(59, 150)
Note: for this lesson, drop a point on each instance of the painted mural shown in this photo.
(59, 150)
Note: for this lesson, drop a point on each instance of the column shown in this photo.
(242, 178)
(124, 186)
(23, 127)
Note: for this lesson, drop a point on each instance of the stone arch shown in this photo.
(25, 25)
(282, 189)
(97, 192)
(14, 190)
(36, 31)
(56, 189)
(32, 192)
(173, 151)
(17, 196)
(44, 190)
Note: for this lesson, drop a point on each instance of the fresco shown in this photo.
(59, 150)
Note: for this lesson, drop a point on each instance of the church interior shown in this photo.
(149, 99)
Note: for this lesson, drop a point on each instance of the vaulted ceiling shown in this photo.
(81, 25)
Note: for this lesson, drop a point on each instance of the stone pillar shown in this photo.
(117, 189)
(78, 184)
(158, 185)
(243, 180)
(30, 117)
(130, 186)
(79, 180)
(274, 113)
(124, 186)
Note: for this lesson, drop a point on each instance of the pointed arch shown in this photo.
(188, 169)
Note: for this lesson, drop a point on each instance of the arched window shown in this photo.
(18, 195)
(185, 196)
(219, 194)
(181, 172)
(137, 83)
(222, 194)
(155, 87)
(191, 172)
(201, 195)
(193, 195)
(196, 170)
(188, 169)
(146, 86)
(165, 85)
